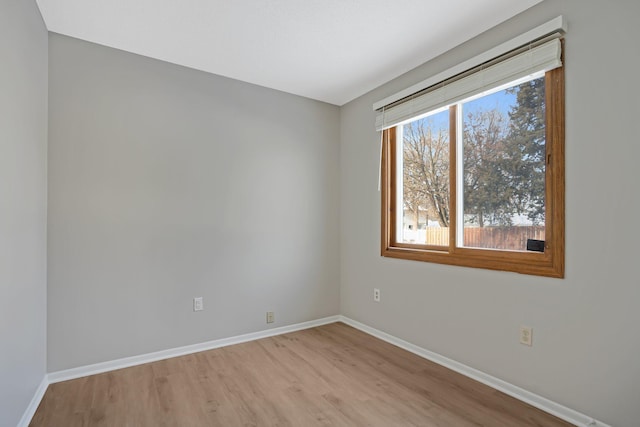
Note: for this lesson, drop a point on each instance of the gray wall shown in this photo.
(23, 205)
(586, 342)
(167, 183)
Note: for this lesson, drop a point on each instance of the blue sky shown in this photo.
(502, 100)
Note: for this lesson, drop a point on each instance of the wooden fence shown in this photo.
(509, 238)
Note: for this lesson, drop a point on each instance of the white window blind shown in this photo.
(525, 61)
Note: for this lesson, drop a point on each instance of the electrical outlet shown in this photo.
(376, 295)
(526, 335)
(270, 317)
(198, 304)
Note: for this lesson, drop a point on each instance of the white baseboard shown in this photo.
(98, 368)
(83, 371)
(532, 399)
(33, 405)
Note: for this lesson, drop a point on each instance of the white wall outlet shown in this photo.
(270, 317)
(526, 335)
(198, 304)
(376, 295)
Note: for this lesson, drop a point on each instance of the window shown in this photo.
(473, 168)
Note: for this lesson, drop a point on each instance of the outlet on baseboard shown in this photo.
(270, 317)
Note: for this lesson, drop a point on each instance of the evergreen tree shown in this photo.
(503, 163)
(504, 160)
(525, 157)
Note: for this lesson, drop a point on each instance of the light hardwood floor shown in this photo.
(333, 375)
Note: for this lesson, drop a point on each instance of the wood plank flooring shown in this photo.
(333, 375)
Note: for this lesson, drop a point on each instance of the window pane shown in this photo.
(504, 167)
(425, 181)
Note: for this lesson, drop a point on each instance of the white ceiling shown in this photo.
(329, 50)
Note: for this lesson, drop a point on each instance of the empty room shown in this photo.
(319, 213)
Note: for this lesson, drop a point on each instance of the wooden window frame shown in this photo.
(549, 263)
